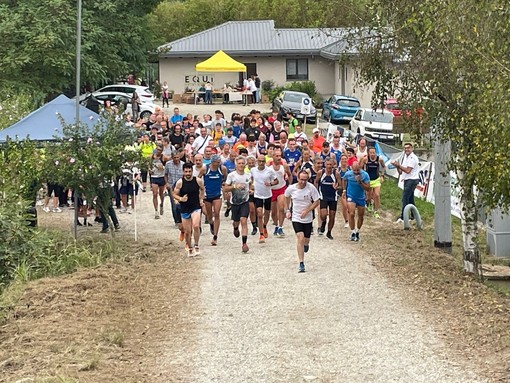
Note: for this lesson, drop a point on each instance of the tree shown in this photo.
(39, 42)
(172, 20)
(453, 58)
(87, 159)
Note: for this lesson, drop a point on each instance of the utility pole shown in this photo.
(78, 72)
(442, 195)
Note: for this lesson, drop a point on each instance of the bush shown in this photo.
(307, 87)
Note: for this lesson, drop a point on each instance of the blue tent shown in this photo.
(44, 123)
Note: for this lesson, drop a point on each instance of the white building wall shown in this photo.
(180, 73)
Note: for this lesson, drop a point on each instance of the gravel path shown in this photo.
(258, 320)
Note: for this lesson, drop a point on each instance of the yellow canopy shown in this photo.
(220, 62)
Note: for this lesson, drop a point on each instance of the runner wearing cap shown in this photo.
(214, 176)
(317, 140)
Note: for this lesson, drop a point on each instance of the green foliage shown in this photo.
(38, 49)
(14, 105)
(453, 58)
(172, 20)
(88, 159)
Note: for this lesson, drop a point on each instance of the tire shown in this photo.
(145, 113)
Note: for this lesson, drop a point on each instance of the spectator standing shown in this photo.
(257, 85)
(409, 171)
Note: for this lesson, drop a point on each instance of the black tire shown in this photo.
(145, 114)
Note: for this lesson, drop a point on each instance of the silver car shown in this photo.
(290, 101)
(143, 91)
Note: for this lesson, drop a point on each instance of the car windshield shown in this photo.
(377, 116)
(350, 103)
(293, 97)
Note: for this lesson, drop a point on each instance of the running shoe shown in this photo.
(117, 227)
(275, 230)
(211, 228)
(227, 212)
(181, 236)
(319, 231)
(105, 231)
(190, 252)
(376, 214)
(245, 248)
(357, 237)
(399, 220)
(353, 237)
(306, 248)
(197, 250)
(254, 231)
(123, 210)
(46, 209)
(161, 210)
(329, 236)
(214, 242)
(346, 225)
(57, 210)
(156, 215)
(280, 232)
(262, 239)
(265, 233)
(370, 208)
(301, 267)
(236, 232)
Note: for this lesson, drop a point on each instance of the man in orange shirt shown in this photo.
(317, 140)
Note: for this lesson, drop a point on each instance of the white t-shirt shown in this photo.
(280, 175)
(301, 199)
(200, 143)
(259, 178)
(251, 85)
(411, 161)
(241, 193)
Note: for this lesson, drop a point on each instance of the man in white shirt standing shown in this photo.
(409, 170)
(253, 89)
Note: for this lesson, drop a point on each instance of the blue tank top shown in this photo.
(213, 180)
(327, 191)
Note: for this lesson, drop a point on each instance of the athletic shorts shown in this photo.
(210, 200)
(305, 228)
(188, 215)
(361, 202)
(160, 181)
(375, 183)
(240, 211)
(277, 192)
(251, 198)
(331, 205)
(263, 202)
(126, 189)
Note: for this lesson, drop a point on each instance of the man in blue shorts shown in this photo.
(214, 176)
(189, 193)
(358, 182)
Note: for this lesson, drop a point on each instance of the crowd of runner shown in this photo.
(251, 169)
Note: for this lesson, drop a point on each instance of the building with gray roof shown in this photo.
(282, 55)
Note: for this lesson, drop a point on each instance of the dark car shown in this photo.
(340, 109)
(290, 101)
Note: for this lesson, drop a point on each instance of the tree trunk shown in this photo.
(471, 253)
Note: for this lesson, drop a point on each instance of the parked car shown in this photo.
(290, 101)
(143, 91)
(118, 99)
(340, 109)
(376, 124)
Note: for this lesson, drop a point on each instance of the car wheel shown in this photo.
(145, 114)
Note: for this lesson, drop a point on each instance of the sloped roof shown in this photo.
(44, 123)
(220, 62)
(258, 37)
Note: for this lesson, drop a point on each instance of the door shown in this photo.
(251, 70)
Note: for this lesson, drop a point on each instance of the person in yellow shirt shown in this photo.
(147, 147)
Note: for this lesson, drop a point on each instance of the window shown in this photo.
(297, 69)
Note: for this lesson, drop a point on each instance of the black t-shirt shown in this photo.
(177, 141)
(257, 82)
(252, 132)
